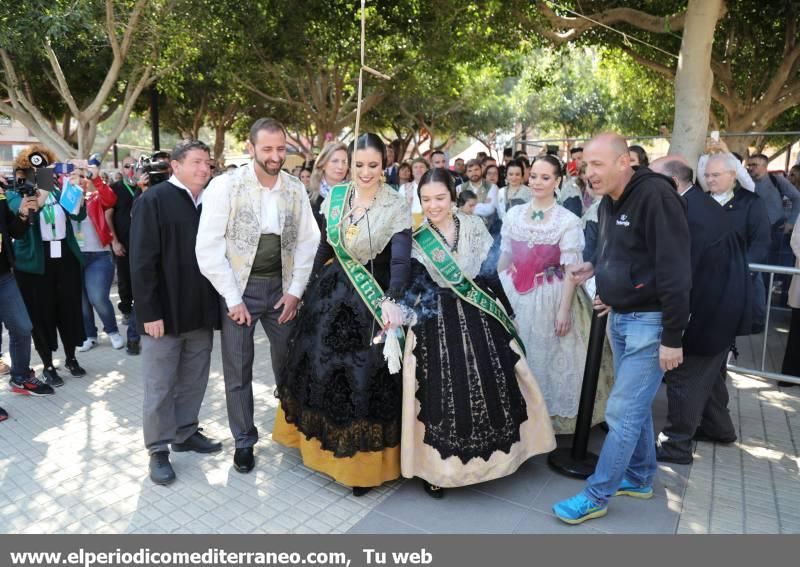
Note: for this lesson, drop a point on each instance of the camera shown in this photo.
(22, 186)
(156, 169)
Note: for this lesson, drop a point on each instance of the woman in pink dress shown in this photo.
(539, 240)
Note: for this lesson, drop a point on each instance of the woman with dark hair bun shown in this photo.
(638, 156)
(340, 399)
(539, 241)
(472, 410)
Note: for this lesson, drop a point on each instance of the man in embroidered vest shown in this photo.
(256, 245)
(487, 193)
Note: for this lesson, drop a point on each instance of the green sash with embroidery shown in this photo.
(368, 289)
(442, 260)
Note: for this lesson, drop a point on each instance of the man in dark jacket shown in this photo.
(176, 309)
(13, 313)
(696, 392)
(643, 277)
(118, 219)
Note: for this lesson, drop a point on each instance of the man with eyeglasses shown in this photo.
(118, 218)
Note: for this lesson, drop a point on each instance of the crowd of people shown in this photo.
(423, 321)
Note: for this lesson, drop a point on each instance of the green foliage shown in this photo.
(576, 92)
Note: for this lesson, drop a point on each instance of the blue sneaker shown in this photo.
(627, 488)
(578, 509)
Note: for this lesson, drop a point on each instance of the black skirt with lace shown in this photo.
(470, 400)
(337, 387)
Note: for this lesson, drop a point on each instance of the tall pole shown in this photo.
(154, 118)
(577, 461)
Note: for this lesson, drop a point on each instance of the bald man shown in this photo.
(696, 393)
(643, 277)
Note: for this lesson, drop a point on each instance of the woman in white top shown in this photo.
(515, 192)
(409, 190)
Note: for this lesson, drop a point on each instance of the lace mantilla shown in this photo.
(474, 243)
(518, 225)
(387, 216)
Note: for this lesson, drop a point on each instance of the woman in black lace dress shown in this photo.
(340, 404)
(472, 410)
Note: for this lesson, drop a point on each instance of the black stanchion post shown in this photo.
(577, 461)
(116, 155)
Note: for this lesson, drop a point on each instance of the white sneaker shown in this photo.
(117, 342)
(88, 344)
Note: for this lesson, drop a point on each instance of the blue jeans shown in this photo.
(98, 274)
(629, 450)
(14, 316)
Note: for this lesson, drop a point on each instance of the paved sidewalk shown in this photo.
(74, 463)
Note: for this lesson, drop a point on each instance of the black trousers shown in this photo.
(54, 301)
(697, 398)
(791, 360)
(124, 283)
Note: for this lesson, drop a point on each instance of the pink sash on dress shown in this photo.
(531, 266)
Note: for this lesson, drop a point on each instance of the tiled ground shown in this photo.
(74, 463)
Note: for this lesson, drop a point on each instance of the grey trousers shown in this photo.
(259, 297)
(697, 398)
(175, 372)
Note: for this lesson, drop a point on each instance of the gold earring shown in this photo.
(383, 179)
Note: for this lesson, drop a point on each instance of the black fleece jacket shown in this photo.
(643, 260)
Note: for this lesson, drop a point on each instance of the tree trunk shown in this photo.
(693, 79)
(219, 145)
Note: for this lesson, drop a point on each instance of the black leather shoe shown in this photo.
(198, 443)
(703, 436)
(361, 490)
(75, 368)
(133, 347)
(3, 414)
(244, 460)
(436, 492)
(51, 377)
(161, 471)
(674, 459)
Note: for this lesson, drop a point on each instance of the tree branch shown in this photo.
(120, 54)
(637, 18)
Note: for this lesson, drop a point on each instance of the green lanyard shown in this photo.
(130, 189)
(49, 213)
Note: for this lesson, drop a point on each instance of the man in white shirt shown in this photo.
(256, 245)
(487, 193)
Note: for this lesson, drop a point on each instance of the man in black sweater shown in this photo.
(118, 219)
(696, 392)
(643, 276)
(13, 313)
(176, 309)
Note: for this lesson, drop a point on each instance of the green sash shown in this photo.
(442, 260)
(368, 289)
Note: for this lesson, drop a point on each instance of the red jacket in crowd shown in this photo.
(97, 203)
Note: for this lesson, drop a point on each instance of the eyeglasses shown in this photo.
(127, 166)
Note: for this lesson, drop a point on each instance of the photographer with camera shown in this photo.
(13, 313)
(48, 270)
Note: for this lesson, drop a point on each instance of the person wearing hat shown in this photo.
(48, 271)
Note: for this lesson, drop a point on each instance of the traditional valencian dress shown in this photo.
(339, 403)
(472, 410)
(538, 251)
